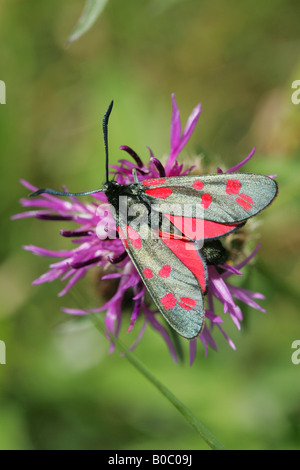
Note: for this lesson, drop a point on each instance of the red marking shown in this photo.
(186, 307)
(123, 237)
(154, 182)
(162, 193)
(247, 198)
(187, 253)
(188, 301)
(206, 200)
(245, 201)
(147, 273)
(134, 237)
(243, 204)
(165, 271)
(197, 229)
(168, 301)
(233, 187)
(198, 185)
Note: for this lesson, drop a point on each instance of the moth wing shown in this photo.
(174, 273)
(223, 198)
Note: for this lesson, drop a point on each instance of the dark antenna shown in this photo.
(105, 128)
(54, 192)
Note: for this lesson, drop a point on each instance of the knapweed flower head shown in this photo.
(95, 246)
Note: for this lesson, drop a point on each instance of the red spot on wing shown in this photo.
(233, 187)
(187, 303)
(168, 301)
(186, 307)
(147, 273)
(199, 229)
(247, 198)
(243, 203)
(187, 253)
(206, 200)
(154, 182)
(161, 193)
(165, 271)
(198, 184)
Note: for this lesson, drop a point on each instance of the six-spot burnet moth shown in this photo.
(170, 228)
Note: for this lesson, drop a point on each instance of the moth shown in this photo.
(170, 246)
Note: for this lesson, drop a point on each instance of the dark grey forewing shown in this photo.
(152, 255)
(230, 202)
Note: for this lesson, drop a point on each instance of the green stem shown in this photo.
(205, 433)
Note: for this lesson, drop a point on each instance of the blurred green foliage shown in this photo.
(60, 389)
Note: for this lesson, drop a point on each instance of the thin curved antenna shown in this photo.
(105, 127)
(54, 192)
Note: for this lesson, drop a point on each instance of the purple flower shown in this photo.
(95, 246)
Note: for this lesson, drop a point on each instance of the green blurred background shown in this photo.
(60, 389)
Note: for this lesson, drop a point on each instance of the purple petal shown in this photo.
(133, 154)
(79, 311)
(88, 262)
(207, 339)
(230, 269)
(112, 276)
(193, 350)
(139, 337)
(27, 214)
(159, 166)
(175, 131)
(242, 163)
(245, 296)
(43, 252)
(78, 275)
(242, 263)
(230, 342)
(48, 277)
(134, 315)
(28, 185)
(178, 141)
(220, 289)
(140, 294)
(75, 233)
(213, 317)
(157, 326)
